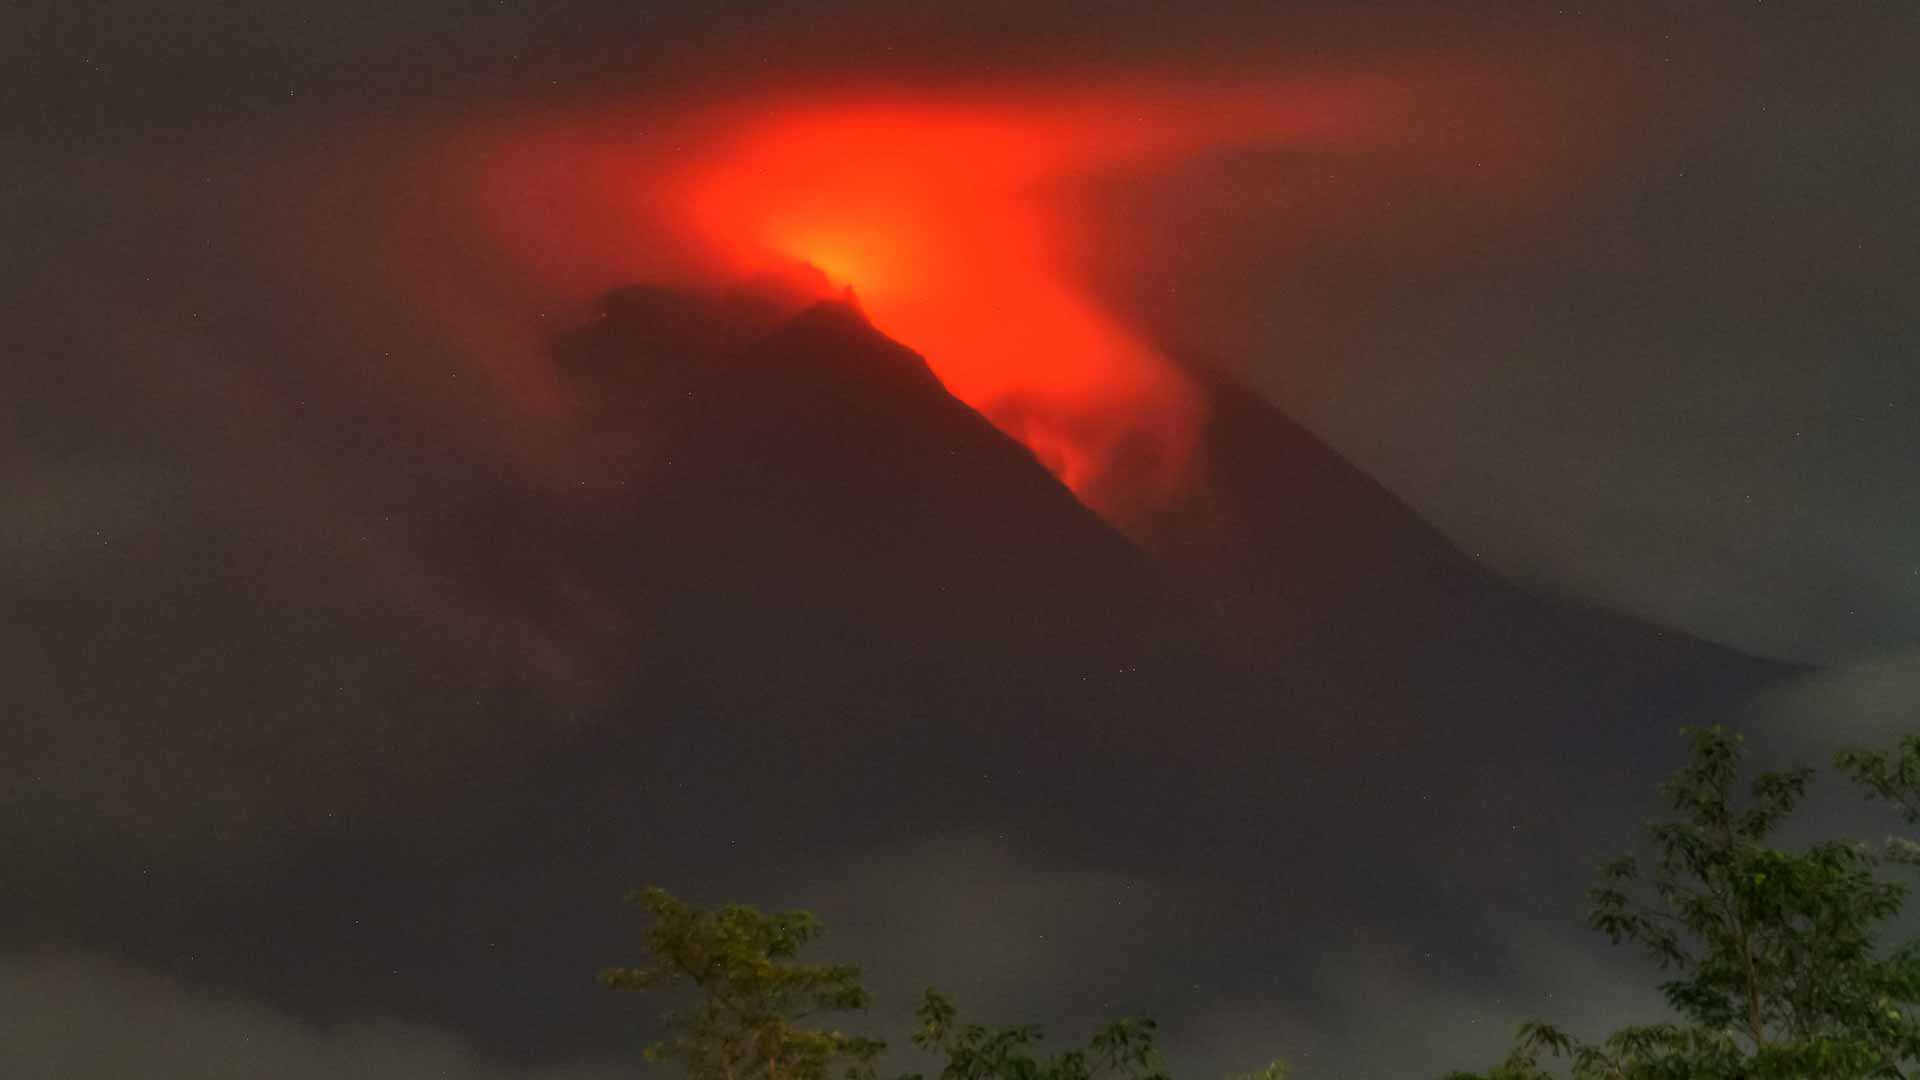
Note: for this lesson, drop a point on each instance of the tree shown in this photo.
(753, 997)
(753, 1000)
(1892, 776)
(1123, 1050)
(1775, 957)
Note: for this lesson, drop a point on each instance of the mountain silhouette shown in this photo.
(837, 534)
(827, 484)
(1311, 558)
(868, 620)
(821, 471)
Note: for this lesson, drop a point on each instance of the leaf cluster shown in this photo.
(754, 999)
(1122, 1050)
(1892, 776)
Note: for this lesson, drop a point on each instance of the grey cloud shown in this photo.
(68, 1018)
(1871, 700)
(1683, 389)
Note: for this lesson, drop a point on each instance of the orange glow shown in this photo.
(936, 213)
(952, 217)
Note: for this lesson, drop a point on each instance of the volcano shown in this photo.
(868, 619)
(830, 478)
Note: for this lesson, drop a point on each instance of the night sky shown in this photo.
(1215, 511)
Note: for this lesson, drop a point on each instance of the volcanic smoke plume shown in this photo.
(964, 222)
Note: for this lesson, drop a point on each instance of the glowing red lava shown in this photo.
(936, 214)
(951, 216)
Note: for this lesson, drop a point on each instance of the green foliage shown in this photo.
(1890, 775)
(1123, 1050)
(1775, 959)
(753, 997)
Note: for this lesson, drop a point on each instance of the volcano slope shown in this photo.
(871, 633)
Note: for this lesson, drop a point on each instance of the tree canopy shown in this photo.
(753, 1002)
(1122, 1050)
(754, 999)
(1776, 963)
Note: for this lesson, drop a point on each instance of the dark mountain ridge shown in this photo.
(832, 506)
(1311, 556)
(873, 622)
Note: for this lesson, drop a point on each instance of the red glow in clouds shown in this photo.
(936, 214)
(952, 216)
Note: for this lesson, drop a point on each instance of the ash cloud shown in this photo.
(91, 1017)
